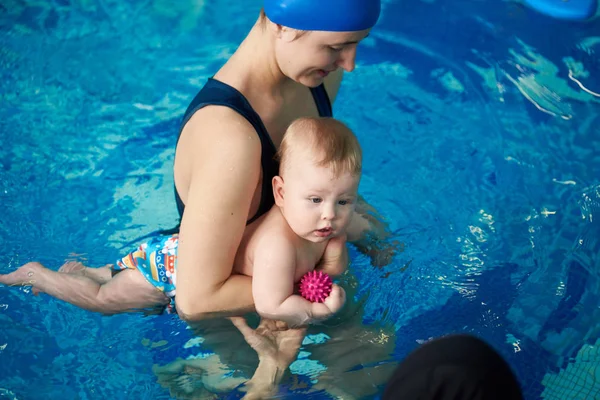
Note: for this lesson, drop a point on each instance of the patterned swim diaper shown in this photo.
(157, 261)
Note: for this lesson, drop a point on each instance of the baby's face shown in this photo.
(317, 204)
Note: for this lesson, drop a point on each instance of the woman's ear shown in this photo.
(276, 28)
(278, 191)
(283, 32)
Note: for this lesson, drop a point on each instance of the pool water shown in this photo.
(480, 127)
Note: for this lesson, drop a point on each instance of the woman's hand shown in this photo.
(277, 347)
(272, 340)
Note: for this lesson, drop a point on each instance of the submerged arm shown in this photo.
(370, 234)
(367, 230)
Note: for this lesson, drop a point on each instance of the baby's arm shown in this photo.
(273, 287)
(335, 258)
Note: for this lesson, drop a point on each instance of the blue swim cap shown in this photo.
(324, 15)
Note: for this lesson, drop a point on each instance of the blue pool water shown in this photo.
(481, 132)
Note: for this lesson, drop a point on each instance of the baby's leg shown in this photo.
(127, 291)
(101, 275)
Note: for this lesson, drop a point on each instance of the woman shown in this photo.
(290, 65)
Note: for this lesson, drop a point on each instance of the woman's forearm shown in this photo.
(370, 234)
(335, 259)
(266, 379)
(232, 298)
(366, 221)
(297, 312)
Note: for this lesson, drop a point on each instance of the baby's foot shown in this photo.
(23, 276)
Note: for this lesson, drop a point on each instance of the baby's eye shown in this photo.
(315, 200)
(334, 48)
(343, 202)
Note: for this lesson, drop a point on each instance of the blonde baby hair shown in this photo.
(334, 144)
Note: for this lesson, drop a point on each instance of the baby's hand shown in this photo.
(336, 299)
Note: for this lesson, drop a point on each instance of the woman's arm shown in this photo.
(366, 221)
(367, 230)
(371, 236)
(335, 257)
(223, 153)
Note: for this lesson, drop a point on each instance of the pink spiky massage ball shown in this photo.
(315, 286)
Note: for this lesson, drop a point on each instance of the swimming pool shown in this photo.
(480, 129)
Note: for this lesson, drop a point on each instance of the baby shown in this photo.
(315, 196)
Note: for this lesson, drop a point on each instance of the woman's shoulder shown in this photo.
(218, 123)
(216, 143)
(218, 105)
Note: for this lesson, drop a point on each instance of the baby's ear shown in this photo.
(278, 190)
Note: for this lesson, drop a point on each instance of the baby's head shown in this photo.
(320, 167)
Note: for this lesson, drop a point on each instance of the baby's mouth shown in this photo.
(324, 231)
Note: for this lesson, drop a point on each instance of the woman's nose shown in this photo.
(347, 59)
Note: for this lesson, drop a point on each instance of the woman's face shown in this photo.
(308, 57)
